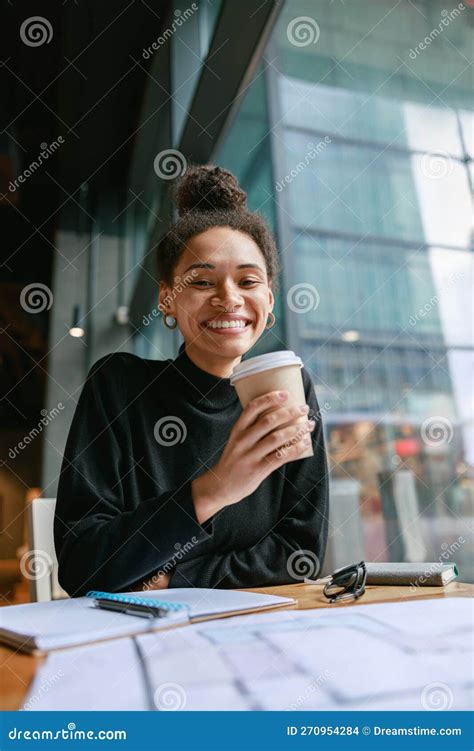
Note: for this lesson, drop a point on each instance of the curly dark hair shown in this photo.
(208, 196)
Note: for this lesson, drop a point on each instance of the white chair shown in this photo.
(408, 512)
(41, 567)
(346, 537)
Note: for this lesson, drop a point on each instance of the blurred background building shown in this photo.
(350, 125)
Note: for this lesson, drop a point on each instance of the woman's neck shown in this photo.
(221, 367)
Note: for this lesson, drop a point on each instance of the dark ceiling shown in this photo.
(80, 85)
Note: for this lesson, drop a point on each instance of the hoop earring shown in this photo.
(272, 321)
(167, 325)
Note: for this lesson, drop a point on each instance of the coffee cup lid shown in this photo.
(264, 362)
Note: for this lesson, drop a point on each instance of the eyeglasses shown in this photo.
(346, 583)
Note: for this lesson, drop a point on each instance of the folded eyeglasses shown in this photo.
(347, 583)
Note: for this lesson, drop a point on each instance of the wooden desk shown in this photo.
(311, 596)
(18, 670)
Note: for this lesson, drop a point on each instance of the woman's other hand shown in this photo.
(159, 581)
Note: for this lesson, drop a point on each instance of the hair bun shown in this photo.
(204, 187)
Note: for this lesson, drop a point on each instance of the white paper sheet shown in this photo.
(364, 657)
(98, 677)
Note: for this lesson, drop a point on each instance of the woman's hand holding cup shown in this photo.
(267, 435)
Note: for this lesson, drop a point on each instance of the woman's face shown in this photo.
(220, 269)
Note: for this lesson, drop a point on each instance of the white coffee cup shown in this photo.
(275, 371)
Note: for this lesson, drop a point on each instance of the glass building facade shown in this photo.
(354, 139)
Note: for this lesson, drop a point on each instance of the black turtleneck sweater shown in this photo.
(142, 431)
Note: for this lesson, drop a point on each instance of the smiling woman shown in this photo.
(225, 309)
(161, 452)
(234, 254)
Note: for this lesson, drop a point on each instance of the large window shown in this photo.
(246, 151)
(355, 140)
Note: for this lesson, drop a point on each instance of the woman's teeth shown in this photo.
(226, 324)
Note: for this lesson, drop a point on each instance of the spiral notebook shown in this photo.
(43, 626)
